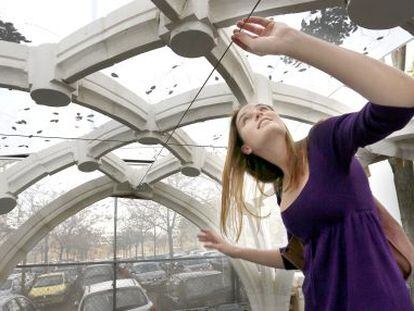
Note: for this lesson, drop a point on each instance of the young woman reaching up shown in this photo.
(325, 196)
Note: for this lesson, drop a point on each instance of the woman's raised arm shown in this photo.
(374, 80)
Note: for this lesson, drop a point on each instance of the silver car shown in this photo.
(130, 296)
(148, 273)
(11, 285)
(16, 302)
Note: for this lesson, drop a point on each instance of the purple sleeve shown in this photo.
(341, 136)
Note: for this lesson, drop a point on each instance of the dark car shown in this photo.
(197, 289)
(16, 302)
(148, 273)
(97, 274)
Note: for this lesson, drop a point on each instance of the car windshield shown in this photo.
(49, 281)
(100, 270)
(5, 285)
(97, 279)
(145, 268)
(126, 299)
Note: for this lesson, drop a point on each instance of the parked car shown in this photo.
(196, 252)
(11, 286)
(97, 274)
(71, 272)
(37, 270)
(211, 254)
(148, 273)
(11, 302)
(197, 289)
(129, 296)
(50, 289)
(197, 264)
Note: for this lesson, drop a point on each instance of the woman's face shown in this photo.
(257, 124)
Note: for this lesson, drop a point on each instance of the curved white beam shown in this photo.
(218, 101)
(13, 67)
(124, 33)
(171, 8)
(105, 95)
(303, 105)
(234, 68)
(226, 13)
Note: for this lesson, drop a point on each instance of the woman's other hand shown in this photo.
(212, 240)
(262, 36)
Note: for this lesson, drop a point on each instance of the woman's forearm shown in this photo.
(372, 79)
(265, 257)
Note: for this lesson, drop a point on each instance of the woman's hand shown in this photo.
(212, 240)
(262, 36)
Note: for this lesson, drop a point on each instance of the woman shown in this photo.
(325, 196)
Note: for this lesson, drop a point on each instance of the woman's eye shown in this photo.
(245, 119)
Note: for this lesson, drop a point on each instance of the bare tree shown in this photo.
(187, 232)
(141, 221)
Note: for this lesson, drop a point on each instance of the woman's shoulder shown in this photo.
(321, 131)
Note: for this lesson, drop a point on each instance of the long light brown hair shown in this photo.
(263, 172)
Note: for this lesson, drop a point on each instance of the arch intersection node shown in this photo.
(7, 202)
(190, 170)
(46, 89)
(192, 39)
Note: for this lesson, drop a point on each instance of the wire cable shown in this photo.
(104, 140)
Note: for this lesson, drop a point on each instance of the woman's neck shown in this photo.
(278, 155)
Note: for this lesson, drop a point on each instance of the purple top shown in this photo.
(348, 263)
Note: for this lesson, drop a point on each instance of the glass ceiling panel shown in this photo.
(160, 74)
(26, 127)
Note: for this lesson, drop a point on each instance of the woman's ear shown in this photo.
(246, 149)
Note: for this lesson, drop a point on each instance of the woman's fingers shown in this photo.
(257, 20)
(210, 245)
(243, 40)
(253, 28)
(206, 237)
(204, 240)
